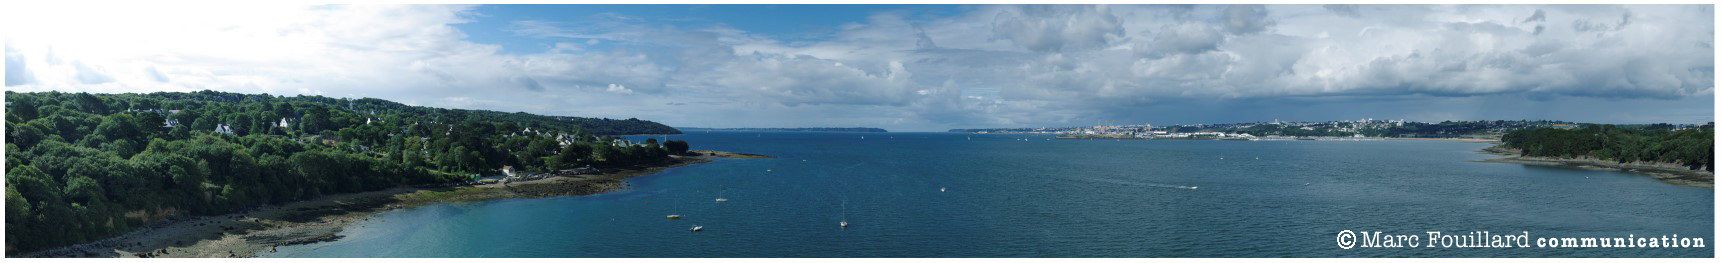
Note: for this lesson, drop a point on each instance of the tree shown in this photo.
(677, 147)
(91, 104)
(24, 109)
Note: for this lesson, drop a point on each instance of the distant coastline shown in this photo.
(814, 129)
(1666, 172)
(261, 230)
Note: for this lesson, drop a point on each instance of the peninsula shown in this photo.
(1682, 156)
(85, 167)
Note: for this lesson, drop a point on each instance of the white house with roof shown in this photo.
(224, 129)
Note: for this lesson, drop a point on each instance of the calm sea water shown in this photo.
(1006, 197)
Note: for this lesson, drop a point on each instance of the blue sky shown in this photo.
(494, 24)
(906, 67)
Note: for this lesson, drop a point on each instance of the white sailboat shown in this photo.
(843, 222)
(673, 214)
(720, 198)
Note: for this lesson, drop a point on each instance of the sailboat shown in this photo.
(676, 216)
(844, 222)
(720, 198)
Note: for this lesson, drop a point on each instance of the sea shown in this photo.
(1010, 195)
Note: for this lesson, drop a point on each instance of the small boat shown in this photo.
(673, 216)
(721, 199)
(843, 222)
(696, 228)
(941, 189)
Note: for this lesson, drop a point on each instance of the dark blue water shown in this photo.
(1053, 198)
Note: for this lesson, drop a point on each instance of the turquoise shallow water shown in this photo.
(1007, 197)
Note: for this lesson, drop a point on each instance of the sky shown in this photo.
(904, 67)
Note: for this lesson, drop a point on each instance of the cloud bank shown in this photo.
(986, 66)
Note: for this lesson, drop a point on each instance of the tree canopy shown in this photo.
(81, 167)
(1653, 143)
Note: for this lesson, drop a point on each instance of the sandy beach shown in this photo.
(262, 229)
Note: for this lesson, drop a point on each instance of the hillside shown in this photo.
(83, 167)
(1688, 148)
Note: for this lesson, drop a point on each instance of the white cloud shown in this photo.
(619, 89)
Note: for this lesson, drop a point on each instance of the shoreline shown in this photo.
(1495, 140)
(260, 230)
(1667, 173)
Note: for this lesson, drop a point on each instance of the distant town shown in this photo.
(1361, 129)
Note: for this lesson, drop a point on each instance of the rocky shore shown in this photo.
(263, 229)
(1667, 172)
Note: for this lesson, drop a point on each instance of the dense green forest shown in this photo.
(1653, 143)
(82, 167)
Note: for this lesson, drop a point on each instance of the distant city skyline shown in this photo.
(906, 67)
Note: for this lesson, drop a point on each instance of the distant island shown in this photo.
(820, 129)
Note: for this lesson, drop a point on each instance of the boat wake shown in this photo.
(1122, 182)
